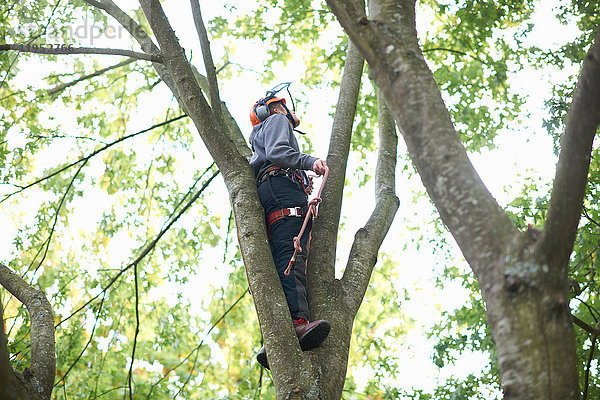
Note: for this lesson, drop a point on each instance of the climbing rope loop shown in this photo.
(312, 210)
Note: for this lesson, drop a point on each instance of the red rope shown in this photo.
(312, 210)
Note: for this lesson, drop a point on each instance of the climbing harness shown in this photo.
(312, 210)
(296, 178)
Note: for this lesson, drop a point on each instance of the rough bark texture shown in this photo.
(524, 282)
(307, 375)
(325, 292)
(7, 376)
(37, 381)
(338, 300)
(290, 366)
(296, 374)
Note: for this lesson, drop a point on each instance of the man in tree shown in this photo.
(283, 188)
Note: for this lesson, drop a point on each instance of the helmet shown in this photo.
(260, 110)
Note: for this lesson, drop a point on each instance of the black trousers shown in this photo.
(275, 193)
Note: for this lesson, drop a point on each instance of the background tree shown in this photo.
(523, 277)
(148, 198)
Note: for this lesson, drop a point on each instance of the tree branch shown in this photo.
(7, 376)
(95, 152)
(570, 181)
(146, 250)
(323, 255)
(585, 326)
(138, 33)
(137, 330)
(389, 43)
(86, 345)
(462, 53)
(588, 365)
(134, 29)
(197, 348)
(363, 254)
(63, 86)
(43, 359)
(80, 50)
(46, 244)
(209, 65)
(273, 313)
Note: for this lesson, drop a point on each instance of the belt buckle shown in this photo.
(296, 212)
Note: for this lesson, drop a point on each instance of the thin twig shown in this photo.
(455, 52)
(589, 218)
(229, 224)
(67, 137)
(145, 251)
(137, 329)
(56, 214)
(42, 49)
(86, 345)
(94, 153)
(588, 365)
(63, 86)
(113, 328)
(590, 254)
(585, 326)
(196, 349)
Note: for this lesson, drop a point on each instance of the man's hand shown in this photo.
(319, 167)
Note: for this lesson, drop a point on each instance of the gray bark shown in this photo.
(7, 376)
(296, 374)
(37, 381)
(291, 374)
(523, 281)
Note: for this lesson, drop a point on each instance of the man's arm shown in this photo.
(278, 149)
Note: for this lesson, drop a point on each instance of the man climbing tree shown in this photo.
(283, 188)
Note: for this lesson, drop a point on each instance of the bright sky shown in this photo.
(525, 151)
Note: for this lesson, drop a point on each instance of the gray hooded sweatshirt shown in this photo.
(274, 144)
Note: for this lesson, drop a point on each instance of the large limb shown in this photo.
(43, 360)
(369, 238)
(573, 164)
(526, 301)
(350, 290)
(288, 363)
(323, 255)
(389, 43)
(324, 291)
(7, 376)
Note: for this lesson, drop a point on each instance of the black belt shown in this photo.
(288, 173)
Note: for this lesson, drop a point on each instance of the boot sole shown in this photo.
(315, 336)
(308, 341)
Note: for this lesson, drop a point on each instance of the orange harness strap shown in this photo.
(312, 210)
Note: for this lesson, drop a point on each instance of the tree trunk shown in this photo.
(37, 382)
(523, 279)
(7, 376)
(292, 372)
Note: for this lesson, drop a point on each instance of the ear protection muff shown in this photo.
(261, 110)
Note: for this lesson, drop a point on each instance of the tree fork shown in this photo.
(288, 362)
(521, 290)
